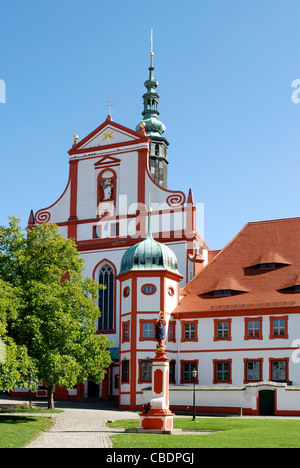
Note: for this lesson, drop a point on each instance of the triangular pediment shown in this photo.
(107, 161)
(109, 134)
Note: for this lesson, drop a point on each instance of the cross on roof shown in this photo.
(109, 104)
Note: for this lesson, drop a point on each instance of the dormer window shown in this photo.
(221, 293)
(267, 266)
(291, 289)
(267, 262)
(260, 268)
(295, 288)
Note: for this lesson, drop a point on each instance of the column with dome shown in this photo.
(149, 290)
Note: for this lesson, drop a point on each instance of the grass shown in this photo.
(26, 408)
(232, 433)
(19, 431)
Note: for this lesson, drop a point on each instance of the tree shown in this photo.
(15, 364)
(56, 320)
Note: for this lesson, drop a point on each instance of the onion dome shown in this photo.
(149, 255)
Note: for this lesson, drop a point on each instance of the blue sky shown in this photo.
(225, 70)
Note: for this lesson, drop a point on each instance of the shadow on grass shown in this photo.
(16, 419)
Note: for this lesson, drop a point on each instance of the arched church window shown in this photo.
(106, 298)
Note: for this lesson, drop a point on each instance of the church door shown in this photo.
(267, 403)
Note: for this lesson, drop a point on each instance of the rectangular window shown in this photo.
(117, 382)
(172, 367)
(279, 327)
(148, 330)
(125, 371)
(187, 371)
(145, 371)
(222, 371)
(222, 330)
(96, 232)
(253, 328)
(279, 371)
(171, 334)
(253, 371)
(189, 331)
(125, 334)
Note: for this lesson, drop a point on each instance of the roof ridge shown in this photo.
(296, 218)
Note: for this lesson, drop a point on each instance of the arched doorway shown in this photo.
(266, 402)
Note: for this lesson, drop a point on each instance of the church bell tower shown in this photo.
(158, 157)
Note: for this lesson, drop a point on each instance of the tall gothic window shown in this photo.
(106, 298)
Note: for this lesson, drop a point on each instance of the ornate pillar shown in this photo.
(159, 418)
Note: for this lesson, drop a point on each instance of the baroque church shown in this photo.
(232, 315)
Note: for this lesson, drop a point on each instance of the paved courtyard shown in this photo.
(81, 425)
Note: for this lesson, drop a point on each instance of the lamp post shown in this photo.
(194, 374)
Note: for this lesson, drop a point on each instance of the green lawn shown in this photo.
(232, 433)
(19, 431)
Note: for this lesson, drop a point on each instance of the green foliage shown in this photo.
(49, 308)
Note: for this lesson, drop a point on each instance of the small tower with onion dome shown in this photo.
(149, 290)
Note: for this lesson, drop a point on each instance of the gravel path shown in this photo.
(81, 425)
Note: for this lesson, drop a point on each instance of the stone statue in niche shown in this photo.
(107, 187)
(160, 332)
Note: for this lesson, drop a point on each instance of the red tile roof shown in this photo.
(275, 241)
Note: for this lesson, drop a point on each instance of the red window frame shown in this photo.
(271, 360)
(218, 361)
(124, 324)
(151, 293)
(246, 360)
(173, 323)
(189, 322)
(189, 361)
(216, 322)
(285, 335)
(142, 321)
(253, 319)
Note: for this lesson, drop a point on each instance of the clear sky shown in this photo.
(225, 70)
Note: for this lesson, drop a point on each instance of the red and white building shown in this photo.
(232, 315)
(113, 172)
(238, 325)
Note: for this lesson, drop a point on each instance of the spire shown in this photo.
(31, 220)
(153, 126)
(190, 199)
